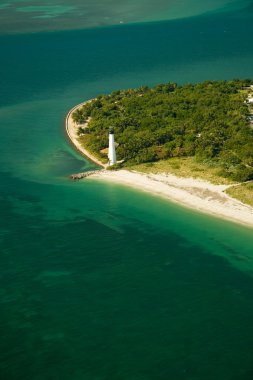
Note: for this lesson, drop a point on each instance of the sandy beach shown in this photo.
(196, 194)
(193, 193)
(72, 128)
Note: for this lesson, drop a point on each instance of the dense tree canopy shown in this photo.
(206, 120)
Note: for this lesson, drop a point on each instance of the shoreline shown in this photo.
(71, 130)
(195, 194)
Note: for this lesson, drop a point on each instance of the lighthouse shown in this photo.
(112, 151)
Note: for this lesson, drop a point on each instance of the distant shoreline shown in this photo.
(195, 194)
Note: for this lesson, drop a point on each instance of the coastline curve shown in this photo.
(71, 130)
(196, 194)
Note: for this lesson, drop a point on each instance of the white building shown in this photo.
(112, 151)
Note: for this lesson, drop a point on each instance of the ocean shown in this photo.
(100, 281)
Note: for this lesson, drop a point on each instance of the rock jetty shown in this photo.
(78, 176)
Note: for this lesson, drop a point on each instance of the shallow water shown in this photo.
(29, 15)
(99, 281)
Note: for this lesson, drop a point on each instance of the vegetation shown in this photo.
(187, 167)
(206, 124)
(243, 192)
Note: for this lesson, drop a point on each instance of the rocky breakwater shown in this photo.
(78, 176)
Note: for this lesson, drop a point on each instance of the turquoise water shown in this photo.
(99, 281)
(29, 15)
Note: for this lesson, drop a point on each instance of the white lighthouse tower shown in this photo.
(112, 151)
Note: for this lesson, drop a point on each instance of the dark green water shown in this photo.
(99, 281)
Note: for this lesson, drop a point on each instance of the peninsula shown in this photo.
(192, 144)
